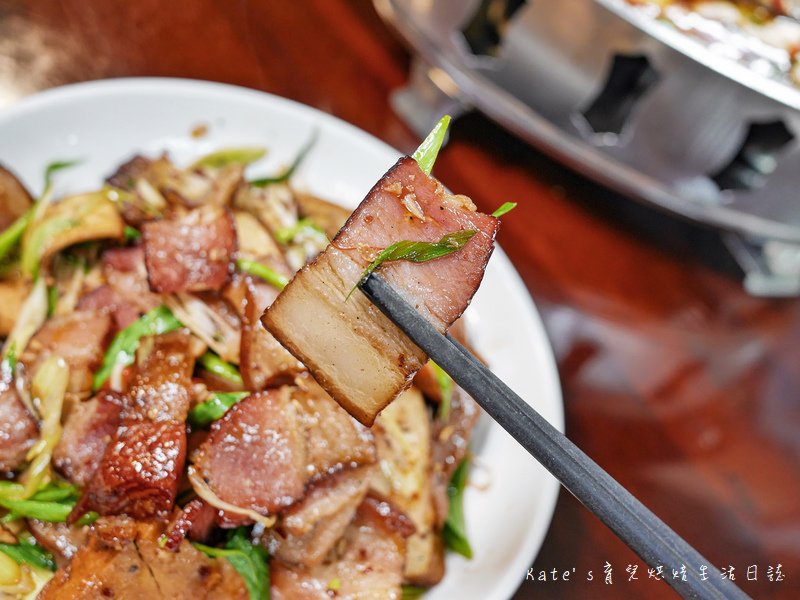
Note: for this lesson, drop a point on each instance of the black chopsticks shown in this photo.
(628, 518)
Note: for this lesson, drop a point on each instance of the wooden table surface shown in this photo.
(675, 380)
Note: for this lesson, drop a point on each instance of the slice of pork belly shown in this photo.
(264, 362)
(18, 429)
(268, 447)
(310, 528)
(108, 300)
(60, 539)
(333, 439)
(368, 562)
(351, 348)
(80, 338)
(161, 383)
(196, 521)
(254, 456)
(139, 472)
(190, 252)
(125, 271)
(122, 559)
(88, 429)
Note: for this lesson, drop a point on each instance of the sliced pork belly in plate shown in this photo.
(310, 528)
(190, 252)
(351, 348)
(160, 389)
(79, 338)
(367, 563)
(254, 456)
(263, 361)
(196, 521)
(18, 429)
(265, 450)
(333, 439)
(60, 539)
(87, 430)
(123, 560)
(125, 271)
(139, 472)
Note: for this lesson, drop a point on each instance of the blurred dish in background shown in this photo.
(682, 122)
(762, 35)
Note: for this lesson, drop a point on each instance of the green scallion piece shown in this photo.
(428, 150)
(214, 364)
(445, 383)
(230, 156)
(123, 347)
(214, 408)
(287, 173)
(455, 533)
(418, 251)
(271, 276)
(29, 553)
(52, 512)
(506, 207)
(10, 237)
(131, 234)
(287, 234)
(87, 519)
(412, 592)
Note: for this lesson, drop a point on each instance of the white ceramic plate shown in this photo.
(103, 123)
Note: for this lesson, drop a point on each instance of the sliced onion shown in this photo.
(150, 196)
(49, 387)
(32, 580)
(10, 572)
(206, 324)
(31, 317)
(206, 493)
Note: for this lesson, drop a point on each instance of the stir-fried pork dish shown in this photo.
(159, 440)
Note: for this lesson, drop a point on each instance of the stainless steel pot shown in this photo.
(629, 101)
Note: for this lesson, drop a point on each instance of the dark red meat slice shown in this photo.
(439, 289)
(161, 384)
(18, 429)
(196, 521)
(254, 456)
(310, 528)
(60, 539)
(139, 472)
(264, 451)
(80, 338)
(123, 559)
(125, 271)
(190, 253)
(333, 439)
(351, 348)
(106, 298)
(88, 428)
(369, 563)
(264, 362)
